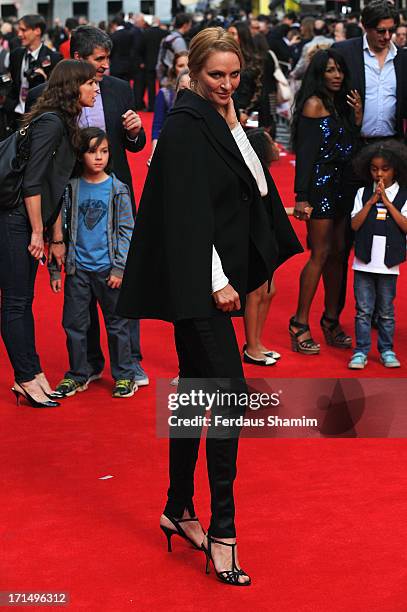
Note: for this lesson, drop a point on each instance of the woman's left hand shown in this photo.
(227, 299)
(36, 246)
(355, 101)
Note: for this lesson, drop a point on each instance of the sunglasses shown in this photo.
(383, 31)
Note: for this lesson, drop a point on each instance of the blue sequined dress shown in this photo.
(324, 150)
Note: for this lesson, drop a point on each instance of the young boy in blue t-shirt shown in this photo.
(97, 220)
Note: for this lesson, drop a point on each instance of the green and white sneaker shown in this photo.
(68, 387)
(124, 387)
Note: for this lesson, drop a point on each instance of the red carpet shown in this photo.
(321, 523)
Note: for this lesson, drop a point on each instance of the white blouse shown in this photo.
(219, 279)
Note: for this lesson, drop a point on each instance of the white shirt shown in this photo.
(219, 279)
(379, 115)
(376, 263)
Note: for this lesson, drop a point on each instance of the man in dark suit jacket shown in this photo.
(376, 50)
(116, 105)
(149, 50)
(122, 54)
(114, 112)
(379, 72)
(138, 74)
(30, 65)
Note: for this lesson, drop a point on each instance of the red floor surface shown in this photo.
(321, 523)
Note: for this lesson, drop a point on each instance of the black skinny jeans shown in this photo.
(18, 270)
(207, 350)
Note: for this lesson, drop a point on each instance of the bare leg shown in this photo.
(222, 556)
(332, 273)
(320, 236)
(33, 388)
(251, 316)
(264, 307)
(43, 382)
(333, 282)
(257, 307)
(192, 529)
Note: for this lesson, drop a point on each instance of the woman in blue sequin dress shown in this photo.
(325, 128)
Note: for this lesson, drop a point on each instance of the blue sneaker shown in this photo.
(358, 361)
(389, 359)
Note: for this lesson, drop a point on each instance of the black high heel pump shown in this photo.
(178, 531)
(227, 576)
(33, 402)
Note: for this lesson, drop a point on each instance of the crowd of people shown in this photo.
(223, 81)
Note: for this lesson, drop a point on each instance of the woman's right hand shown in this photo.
(36, 246)
(355, 101)
(227, 299)
(302, 211)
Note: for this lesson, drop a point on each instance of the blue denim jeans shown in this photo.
(18, 270)
(370, 289)
(79, 290)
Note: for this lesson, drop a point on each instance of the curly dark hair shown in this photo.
(313, 84)
(395, 153)
(62, 95)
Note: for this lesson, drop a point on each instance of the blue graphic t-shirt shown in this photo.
(92, 251)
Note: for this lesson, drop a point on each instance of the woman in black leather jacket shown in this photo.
(52, 158)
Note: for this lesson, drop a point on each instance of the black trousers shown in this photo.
(207, 350)
(151, 79)
(139, 87)
(18, 270)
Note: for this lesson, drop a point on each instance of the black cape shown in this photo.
(198, 193)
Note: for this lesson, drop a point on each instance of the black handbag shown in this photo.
(14, 155)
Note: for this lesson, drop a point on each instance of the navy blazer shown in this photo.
(352, 52)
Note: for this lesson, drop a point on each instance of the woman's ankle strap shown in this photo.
(215, 541)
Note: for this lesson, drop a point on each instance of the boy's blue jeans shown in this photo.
(374, 289)
(79, 289)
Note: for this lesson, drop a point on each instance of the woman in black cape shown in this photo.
(200, 244)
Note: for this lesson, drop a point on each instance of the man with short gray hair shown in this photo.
(114, 113)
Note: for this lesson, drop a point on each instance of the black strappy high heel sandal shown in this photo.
(334, 334)
(227, 576)
(307, 346)
(178, 531)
